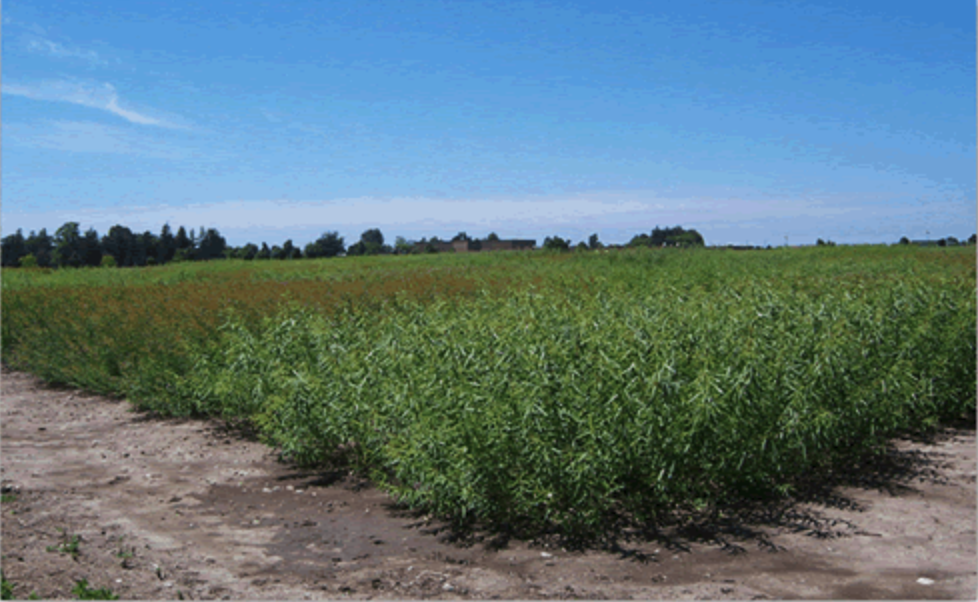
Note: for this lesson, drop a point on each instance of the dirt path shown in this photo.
(171, 509)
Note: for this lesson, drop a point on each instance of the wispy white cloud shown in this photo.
(88, 137)
(34, 38)
(87, 94)
(48, 47)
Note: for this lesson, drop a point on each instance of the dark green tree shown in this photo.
(372, 243)
(144, 249)
(166, 248)
(41, 246)
(492, 237)
(402, 246)
(67, 245)
(264, 252)
(183, 241)
(329, 244)
(593, 243)
(290, 251)
(676, 236)
(211, 245)
(12, 249)
(91, 249)
(556, 243)
(120, 244)
(248, 252)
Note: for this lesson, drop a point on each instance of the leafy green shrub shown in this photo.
(590, 386)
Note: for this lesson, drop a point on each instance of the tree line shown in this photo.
(121, 247)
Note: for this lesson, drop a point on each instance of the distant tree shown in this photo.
(371, 243)
(91, 248)
(329, 244)
(492, 237)
(277, 252)
(372, 236)
(12, 249)
(593, 243)
(357, 248)
(904, 240)
(67, 246)
(28, 261)
(556, 243)
(120, 243)
(41, 246)
(942, 242)
(287, 248)
(676, 236)
(211, 245)
(973, 239)
(264, 252)
(108, 261)
(145, 248)
(460, 237)
(581, 246)
(166, 246)
(952, 241)
(181, 240)
(402, 246)
(820, 243)
(248, 252)
(640, 240)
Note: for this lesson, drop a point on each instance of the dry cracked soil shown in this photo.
(157, 508)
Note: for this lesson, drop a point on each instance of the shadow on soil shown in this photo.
(739, 524)
(732, 526)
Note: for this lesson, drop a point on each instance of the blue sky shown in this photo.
(750, 121)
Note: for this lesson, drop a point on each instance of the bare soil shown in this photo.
(189, 509)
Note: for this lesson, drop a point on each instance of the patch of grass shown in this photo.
(8, 498)
(83, 592)
(70, 544)
(6, 588)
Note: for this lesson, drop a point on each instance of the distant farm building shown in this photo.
(470, 246)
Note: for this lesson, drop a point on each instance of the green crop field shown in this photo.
(547, 390)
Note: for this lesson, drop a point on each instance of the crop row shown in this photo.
(555, 394)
